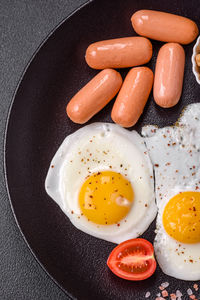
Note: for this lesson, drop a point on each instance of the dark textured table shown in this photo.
(24, 24)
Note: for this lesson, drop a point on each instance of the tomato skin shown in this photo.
(133, 260)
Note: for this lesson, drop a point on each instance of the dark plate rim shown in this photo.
(6, 135)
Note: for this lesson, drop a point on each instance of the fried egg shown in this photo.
(177, 241)
(175, 154)
(102, 179)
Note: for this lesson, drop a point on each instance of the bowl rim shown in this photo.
(194, 64)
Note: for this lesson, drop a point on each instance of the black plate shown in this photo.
(37, 126)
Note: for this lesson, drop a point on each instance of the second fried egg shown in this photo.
(177, 241)
(175, 153)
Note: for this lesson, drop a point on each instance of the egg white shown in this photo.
(101, 147)
(175, 154)
(176, 259)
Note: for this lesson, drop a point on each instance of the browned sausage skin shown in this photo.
(119, 53)
(164, 27)
(169, 74)
(132, 97)
(94, 96)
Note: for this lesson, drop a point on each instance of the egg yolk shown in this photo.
(106, 197)
(181, 217)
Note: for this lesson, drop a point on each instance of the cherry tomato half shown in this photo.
(133, 260)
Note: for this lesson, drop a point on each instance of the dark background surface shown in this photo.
(23, 26)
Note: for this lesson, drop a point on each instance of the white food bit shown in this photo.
(159, 294)
(147, 295)
(189, 291)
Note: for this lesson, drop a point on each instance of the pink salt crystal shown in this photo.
(147, 294)
(196, 287)
(161, 288)
(178, 294)
(165, 284)
(173, 296)
(189, 291)
(192, 297)
(165, 293)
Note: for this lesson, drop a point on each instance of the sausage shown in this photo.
(169, 74)
(119, 53)
(164, 27)
(132, 97)
(94, 96)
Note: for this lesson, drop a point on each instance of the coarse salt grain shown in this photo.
(173, 296)
(189, 291)
(196, 287)
(147, 295)
(160, 298)
(192, 297)
(165, 293)
(178, 293)
(158, 295)
(165, 284)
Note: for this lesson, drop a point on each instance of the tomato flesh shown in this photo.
(133, 260)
